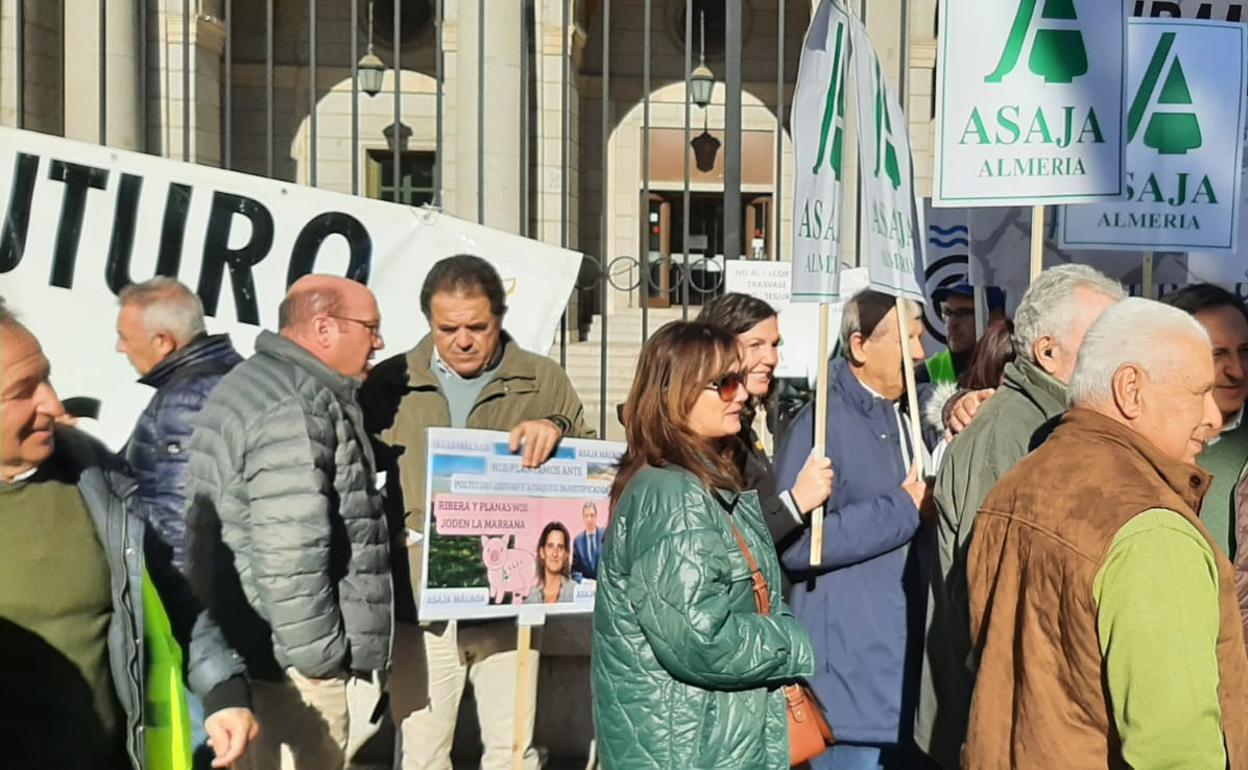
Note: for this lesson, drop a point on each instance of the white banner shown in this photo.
(948, 243)
(1185, 133)
(818, 122)
(1029, 102)
(82, 221)
(894, 255)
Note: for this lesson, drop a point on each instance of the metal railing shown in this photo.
(688, 277)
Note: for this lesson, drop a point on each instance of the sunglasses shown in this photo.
(727, 386)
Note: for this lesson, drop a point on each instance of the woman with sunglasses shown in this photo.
(685, 669)
(756, 326)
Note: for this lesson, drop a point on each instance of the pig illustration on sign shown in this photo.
(507, 569)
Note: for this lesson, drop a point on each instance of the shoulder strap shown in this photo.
(762, 592)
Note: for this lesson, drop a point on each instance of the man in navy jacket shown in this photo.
(587, 546)
(864, 605)
(160, 329)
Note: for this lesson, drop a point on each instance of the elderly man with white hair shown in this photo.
(1049, 328)
(1104, 619)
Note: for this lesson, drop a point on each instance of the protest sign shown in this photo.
(1001, 239)
(1218, 10)
(1185, 131)
(82, 221)
(1029, 102)
(893, 253)
(819, 138)
(486, 517)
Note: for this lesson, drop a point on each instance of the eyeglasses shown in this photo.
(727, 386)
(373, 327)
(961, 314)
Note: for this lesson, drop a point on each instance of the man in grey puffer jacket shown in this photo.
(288, 544)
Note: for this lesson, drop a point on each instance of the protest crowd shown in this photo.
(1019, 551)
(1062, 588)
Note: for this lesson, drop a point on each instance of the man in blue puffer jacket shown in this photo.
(161, 330)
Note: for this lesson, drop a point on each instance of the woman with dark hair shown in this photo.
(756, 326)
(993, 351)
(554, 567)
(686, 670)
(984, 372)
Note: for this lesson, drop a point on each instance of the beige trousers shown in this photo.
(427, 681)
(303, 726)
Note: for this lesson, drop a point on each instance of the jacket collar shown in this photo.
(1187, 481)
(1038, 386)
(513, 364)
(203, 348)
(278, 346)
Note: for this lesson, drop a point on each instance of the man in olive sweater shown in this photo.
(74, 557)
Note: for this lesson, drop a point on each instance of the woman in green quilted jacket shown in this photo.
(686, 672)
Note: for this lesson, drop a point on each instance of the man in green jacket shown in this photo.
(1049, 327)
(468, 373)
(1226, 320)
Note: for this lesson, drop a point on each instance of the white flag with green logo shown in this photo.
(892, 227)
(1185, 133)
(1029, 102)
(818, 147)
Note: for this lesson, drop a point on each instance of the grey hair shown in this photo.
(7, 317)
(864, 312)
(1135, 331)
(169, 307)
(1049, 306)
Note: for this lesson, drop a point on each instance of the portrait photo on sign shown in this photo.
(502, 537)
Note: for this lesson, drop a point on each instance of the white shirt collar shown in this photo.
(1229, 426)
(21, 476)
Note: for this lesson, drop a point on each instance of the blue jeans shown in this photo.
(201, 752)
(860, 756)
(848, 756)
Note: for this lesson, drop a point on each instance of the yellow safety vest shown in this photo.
(165, 714)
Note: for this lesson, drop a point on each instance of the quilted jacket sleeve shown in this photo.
(290, 472)
(681, 590)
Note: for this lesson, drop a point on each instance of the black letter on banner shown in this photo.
(78, 179)
(173, 231)
(217, 253)
(16, 222)
(314, 233)
(171, 236)
(117, 270)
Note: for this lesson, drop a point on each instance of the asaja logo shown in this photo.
(1170, 131)
(833, 111)
(885, 151)
(1057, 51)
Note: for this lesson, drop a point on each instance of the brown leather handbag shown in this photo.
(809, 732)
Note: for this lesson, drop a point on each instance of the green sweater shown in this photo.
(1224, 459)
(1157, 618)
(55, 608)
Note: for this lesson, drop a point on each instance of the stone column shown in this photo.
(121, 73)
(500, 134)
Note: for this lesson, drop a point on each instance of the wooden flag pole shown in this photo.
(821, 429)
(525, 621)
(912, 396)
(1148, 290)
(1037, 242)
